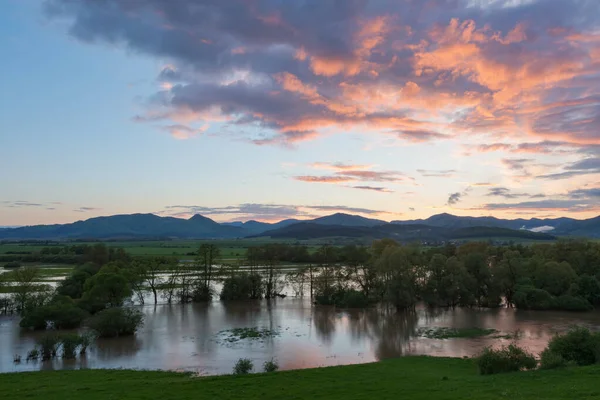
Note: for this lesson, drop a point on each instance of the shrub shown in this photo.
(530, 298)
(61, 315)
(70, 342)
(12, 265)
(243, 366)
(550, 360)
(270, 366)
(86, 341)
(33, 354)
(236, 287)
(202, 293)
(572, 303)
(578, 345)
(352, 299)
(115, 322)
(506, 359)
(49, 345)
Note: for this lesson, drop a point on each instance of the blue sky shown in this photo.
(146, 108)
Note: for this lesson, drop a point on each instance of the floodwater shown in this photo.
(187, 337)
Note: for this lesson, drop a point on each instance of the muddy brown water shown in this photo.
(187, 337)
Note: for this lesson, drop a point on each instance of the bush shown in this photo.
(115, 322)
(236, 288)
(507, 359)
(70, 343)
(550, 360)
(33, 355)
(202, 293)
(60, 315)
(579, 345)
(243, 366)
(572, 303)
(270, 366)
(49, 345)
(12, 265)
(352, 299)
(530, 298)
(86, 341)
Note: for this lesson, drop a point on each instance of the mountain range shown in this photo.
(437, 227)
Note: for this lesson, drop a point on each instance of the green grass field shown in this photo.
(231, 249)
(415, 378)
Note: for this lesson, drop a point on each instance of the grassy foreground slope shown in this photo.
(403, 378)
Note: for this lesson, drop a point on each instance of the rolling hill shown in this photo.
(437, 227)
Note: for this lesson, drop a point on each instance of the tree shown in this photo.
(398, 267)
(508, 272)
(555, 278)
(149, 272)
(108, 288)
(25, 285)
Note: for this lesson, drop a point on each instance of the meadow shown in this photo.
(413, 378)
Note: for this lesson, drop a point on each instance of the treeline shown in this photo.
(560, 276)
(70, 254)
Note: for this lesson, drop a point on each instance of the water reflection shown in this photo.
(189, 337)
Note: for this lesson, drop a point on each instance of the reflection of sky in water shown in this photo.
(187, 337)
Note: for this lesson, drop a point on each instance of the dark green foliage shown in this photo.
(531, 298)
(49, 344)
(243, 366)
(70, 342)
(506, 359)
(351, 299)
(551, 360)
(61, 313)
(241, 287)
(589, 289)
(85, 341)
(270, 366)
(12, 265)
(202, 293)
(109, 287)
(571, 303)
(579, 345)
(33, 355)
(117, 321)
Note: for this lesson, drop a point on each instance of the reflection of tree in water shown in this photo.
(242, 313)
(107, 349)
(388, 329)
(324, 319)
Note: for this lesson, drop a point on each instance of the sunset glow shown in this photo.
(273, 109)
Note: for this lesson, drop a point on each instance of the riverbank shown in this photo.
(407, 377)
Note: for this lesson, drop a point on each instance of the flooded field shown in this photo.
(194, 337)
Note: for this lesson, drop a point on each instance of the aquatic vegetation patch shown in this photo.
(253, 333)
(449, 333)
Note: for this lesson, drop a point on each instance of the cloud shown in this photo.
(587, 166)
(517, 164)
(454, 198)
(420, 70)
(585, 193)
(550, 204)
(506, 193)
(86, 209)
(179, 131)
(339, 166)
(351, 173)
(265, 212)
(446, 173)
(373, 188)
(324, 179)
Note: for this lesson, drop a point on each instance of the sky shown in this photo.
(273, 109)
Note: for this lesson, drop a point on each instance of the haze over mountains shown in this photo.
(437, 227)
